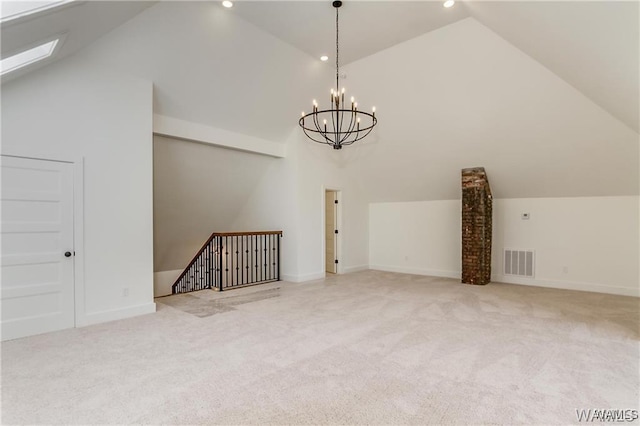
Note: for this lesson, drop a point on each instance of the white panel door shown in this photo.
(37, 287)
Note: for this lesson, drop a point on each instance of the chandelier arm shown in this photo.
(340, 120)
(361, 134)
(373, 124)
(308, 129)
(352, 124)
(344, 135)
(335, 124)
(349, 127)
(352, 120)
(374, 121)
(327, 139)
(356, 137)
(321, 130)
(364, 135)
(314, 119)
(315, 140)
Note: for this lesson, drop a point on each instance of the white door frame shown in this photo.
(339, 252)
(78, 220)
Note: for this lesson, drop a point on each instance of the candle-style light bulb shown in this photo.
(325, 125)
(374, 111)
(352, 101)
(302, 117)
(358, 124)
(355, 106)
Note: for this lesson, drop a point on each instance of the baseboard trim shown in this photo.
(117, 314)
(562, 285)
(304, 277)
(163, 281)
(417, 271)
(567, 285)
(320, 275)
(288, 278)
(358, 268)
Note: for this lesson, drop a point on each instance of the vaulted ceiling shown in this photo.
(366, 27)
(79, 22)
(592, 45)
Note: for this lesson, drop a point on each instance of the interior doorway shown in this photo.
(331, 231)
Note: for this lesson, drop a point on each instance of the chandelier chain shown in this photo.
(337, 52)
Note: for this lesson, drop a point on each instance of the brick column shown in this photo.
(476, 226)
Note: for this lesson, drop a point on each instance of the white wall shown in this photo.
(292, 195)
(416, 237)
(71, 109)
(200, 189)
(595, 238)
(271, 205)
(462, 96)
(210, 66)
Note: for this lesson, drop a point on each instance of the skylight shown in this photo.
(27, 57)
(10, 10)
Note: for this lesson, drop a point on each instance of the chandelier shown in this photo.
(341, 124)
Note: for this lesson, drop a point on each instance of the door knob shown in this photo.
(67, 254)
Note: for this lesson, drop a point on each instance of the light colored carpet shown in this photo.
(364, 348)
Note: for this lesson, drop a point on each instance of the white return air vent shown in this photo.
(518, 262)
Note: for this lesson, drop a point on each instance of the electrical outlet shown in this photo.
(125, 292)
(525, 216)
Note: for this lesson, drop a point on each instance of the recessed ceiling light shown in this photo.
(449, 3)
(27, 57)
(227, 3)
(324, 58)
